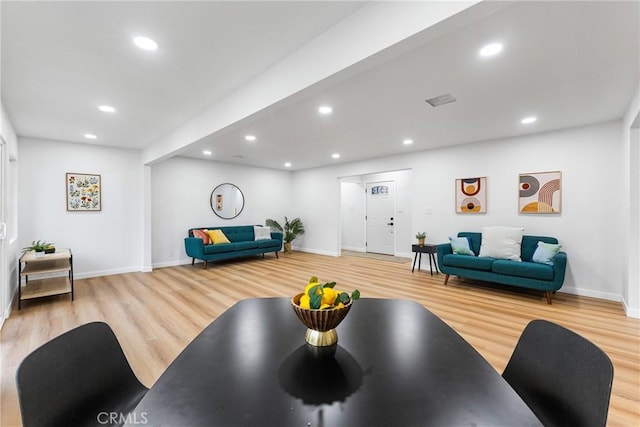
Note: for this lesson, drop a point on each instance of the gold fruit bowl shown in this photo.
(320, 324)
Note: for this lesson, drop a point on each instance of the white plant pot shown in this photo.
(39, 254)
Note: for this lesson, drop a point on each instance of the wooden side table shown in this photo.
(427, 249)
(59, 261)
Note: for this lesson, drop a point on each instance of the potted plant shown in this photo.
(421, 236)
(291, 230)
(40, 248)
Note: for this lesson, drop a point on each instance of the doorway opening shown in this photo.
(375, 217)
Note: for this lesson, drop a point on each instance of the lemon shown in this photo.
(304, 301)
(323, 306)
(329, 296)
(311, 285)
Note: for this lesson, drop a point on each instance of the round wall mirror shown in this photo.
(227, 201)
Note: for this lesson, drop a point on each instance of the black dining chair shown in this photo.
(564, 378)
(80, 378)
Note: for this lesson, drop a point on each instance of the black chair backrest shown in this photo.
(81, 377)
(564, 378)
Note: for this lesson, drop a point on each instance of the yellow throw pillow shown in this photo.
(217, 237)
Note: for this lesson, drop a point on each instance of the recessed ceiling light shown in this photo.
(325, 109)
(90, 136)
(106, 109)
(528, 120)
(145, 43)
(491, 49)
(207, 152)
(407, 141)
(250, 137)
(336, 155)
(287, 165)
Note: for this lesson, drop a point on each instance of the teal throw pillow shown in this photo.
(460, 246)
(545, 252)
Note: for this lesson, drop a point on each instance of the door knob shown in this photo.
(389, 223)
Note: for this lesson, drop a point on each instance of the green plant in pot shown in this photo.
(421, 237)
(291, 230)
(40, 247)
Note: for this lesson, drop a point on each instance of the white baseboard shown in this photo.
(89, 274)
(172, 263)
(631, 312)
(406, 255)
(317, 252)
(590, 293)
(354, 248)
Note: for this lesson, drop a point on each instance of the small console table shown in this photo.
(59, 261)
(427, 249)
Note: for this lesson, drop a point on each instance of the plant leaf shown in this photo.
(329, 285)
(314, 290)
(343, 298)
(315, 300)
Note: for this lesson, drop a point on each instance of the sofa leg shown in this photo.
(547, 294)
(276, 252)
(193, 260)
(205, 264)
(446, 279)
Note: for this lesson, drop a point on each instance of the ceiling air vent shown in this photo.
(441, 100)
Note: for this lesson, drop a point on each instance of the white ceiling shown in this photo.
(568, 63)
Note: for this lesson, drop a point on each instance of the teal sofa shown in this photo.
(525, 274)
(242, 244)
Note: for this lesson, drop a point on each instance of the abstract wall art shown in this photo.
(540, 193)
(471, 195)
(84, 192)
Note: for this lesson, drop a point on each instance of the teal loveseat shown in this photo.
(525, 274)
(242, 243)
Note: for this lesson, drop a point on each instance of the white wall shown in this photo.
(10, 246)
(589, 227)
(104, 242)
(631, 143)
(181, 188)
(352, 208)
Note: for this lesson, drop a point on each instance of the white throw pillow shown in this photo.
(261, 233)
(501, 242)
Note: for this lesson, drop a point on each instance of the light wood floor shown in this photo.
(155, 315)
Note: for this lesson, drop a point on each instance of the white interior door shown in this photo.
(380, 216)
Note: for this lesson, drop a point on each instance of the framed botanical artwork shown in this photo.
(540, 193)
(84, 192)
(471, 195)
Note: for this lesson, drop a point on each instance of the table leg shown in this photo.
(433, 257)
(415, 258)
(430, 265)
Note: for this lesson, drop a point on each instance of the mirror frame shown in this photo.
(213, 202)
